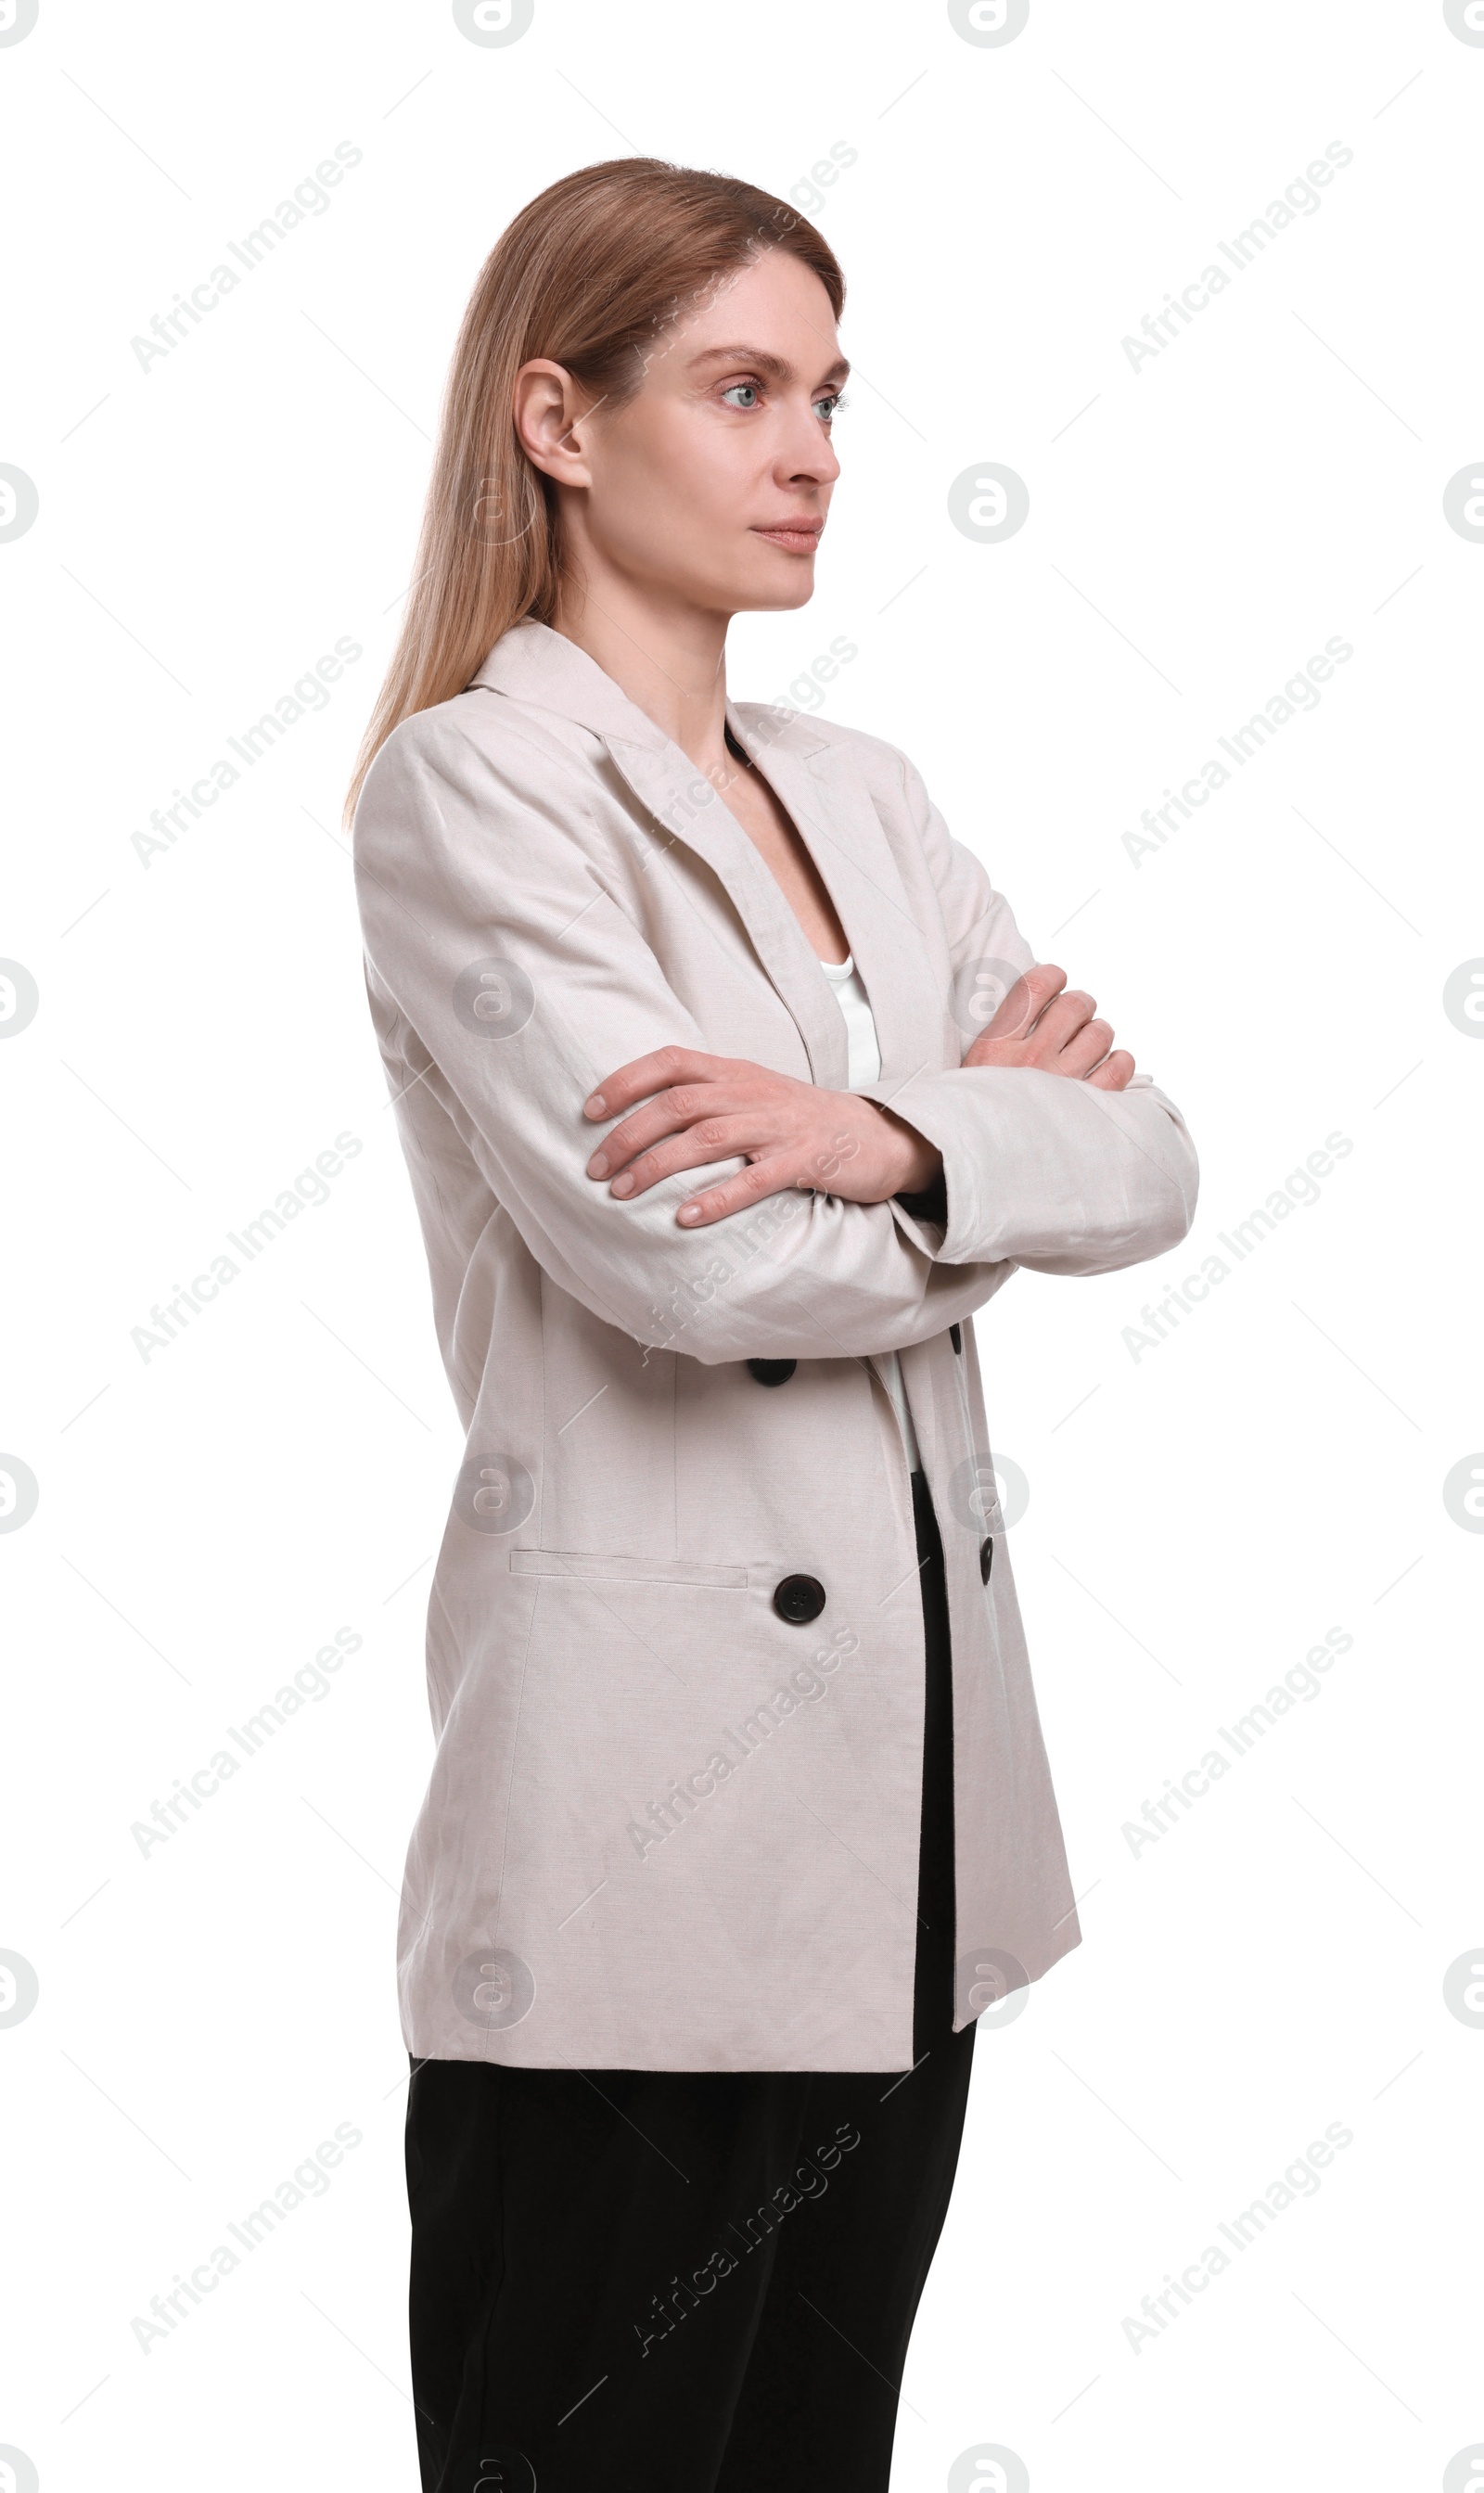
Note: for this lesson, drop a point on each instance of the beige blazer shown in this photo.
(673, 1815)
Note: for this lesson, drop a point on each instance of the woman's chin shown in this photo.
(774, 588)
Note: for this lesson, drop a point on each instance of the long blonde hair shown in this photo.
(593, 273)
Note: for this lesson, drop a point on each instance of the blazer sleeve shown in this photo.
(1038, 1169)
(506, 979)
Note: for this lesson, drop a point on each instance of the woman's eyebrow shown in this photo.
(773, 366)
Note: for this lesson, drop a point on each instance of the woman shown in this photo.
(739, 1813)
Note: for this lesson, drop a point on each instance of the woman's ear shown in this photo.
(548, 407)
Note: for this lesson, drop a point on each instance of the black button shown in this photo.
(955, 1336)
(772, 1371)
(798, 1599)
(985, 1560)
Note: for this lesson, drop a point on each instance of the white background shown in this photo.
(1200, 1515)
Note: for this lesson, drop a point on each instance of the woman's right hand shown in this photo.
(1046, 1024)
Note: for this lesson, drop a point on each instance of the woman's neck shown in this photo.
(670, 661)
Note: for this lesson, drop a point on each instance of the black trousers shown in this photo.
(675, 2281)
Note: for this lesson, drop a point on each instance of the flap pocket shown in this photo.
(639, 1570)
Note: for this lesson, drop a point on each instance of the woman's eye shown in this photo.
(733, 387)
(830, 405)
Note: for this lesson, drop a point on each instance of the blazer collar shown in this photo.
(821, 788)
(534, 664)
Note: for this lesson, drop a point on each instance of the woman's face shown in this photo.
(711, 484)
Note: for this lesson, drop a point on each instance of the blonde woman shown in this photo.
(729, 1089)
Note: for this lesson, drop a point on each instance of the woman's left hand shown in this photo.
(700, 1108)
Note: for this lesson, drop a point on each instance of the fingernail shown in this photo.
(597, 1106)
(690, 1211)
(624, 1184)
(597, 1166)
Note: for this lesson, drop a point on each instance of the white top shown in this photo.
(863, 1066)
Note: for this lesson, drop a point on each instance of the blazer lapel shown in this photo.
(690, 810)
(828, 801)
(835, 815)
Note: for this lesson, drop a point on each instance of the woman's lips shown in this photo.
(794, 536)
